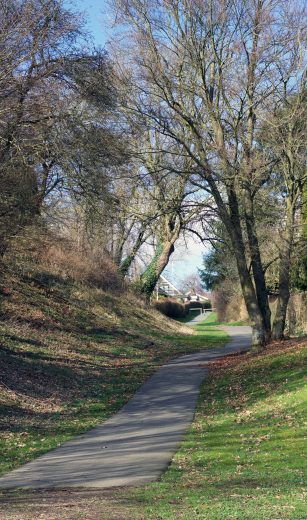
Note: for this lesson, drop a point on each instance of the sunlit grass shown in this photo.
(243, 456)
(212, 321)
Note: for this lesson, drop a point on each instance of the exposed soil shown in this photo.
(67, 505)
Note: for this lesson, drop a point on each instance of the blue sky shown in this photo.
(186, 258)
(97, 13)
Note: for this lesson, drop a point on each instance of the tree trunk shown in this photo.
(118, 252)
(126, 263)
(259, 336)
(3, 247)
(284, 275)
(150, 277)
(233, 225)
(231, 220)
(258, 272)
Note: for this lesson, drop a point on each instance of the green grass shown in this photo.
(205, 335)
(213, 321)
(243, 457)
(71, 356)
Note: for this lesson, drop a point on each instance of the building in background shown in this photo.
(167, 289)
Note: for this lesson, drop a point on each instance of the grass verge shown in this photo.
(243, 456)
(189, 317)
(241, 460)
(213, 321)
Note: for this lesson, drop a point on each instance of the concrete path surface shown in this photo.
(198, 318)
(135, 445)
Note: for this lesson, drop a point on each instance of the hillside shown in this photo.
(72, 353)
(241, 459)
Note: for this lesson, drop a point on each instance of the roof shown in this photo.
(166, 287)
(197, 295)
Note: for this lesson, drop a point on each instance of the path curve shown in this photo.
(136, 445)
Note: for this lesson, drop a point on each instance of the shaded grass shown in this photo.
(71, 355)
(243, 457)
(189, 317)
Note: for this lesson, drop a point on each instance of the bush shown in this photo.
(172, 308)
(85, 267)
(207, 305)
(51, 260)
(199, 305)
(229, 303)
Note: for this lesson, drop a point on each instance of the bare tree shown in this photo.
(166, 206)
(56, 98)
(35, 36)
(285, 138)
(207, 74)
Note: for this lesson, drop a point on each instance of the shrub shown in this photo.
(172, 308)
(207, 305)
(82, 266)
(229, 303)
(51, 260)
(198, 305)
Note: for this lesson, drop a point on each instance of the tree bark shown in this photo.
(150, 277)
(284, 275)
(3, 248)
(233, 225)
(126, 263)
(231, 219)
(258, 271)
(259, 337)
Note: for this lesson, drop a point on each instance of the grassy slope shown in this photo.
(243, 456)
(71, 356)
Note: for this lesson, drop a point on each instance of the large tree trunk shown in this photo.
(233, 225)
(258, 272)
(231, 220)
(150, 277)
(259, 336)
(284, 275)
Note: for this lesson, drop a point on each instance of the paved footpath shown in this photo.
(136, 445)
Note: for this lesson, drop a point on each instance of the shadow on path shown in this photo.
(136, 444)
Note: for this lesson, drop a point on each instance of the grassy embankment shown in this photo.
(72, 355)
(243, 458)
